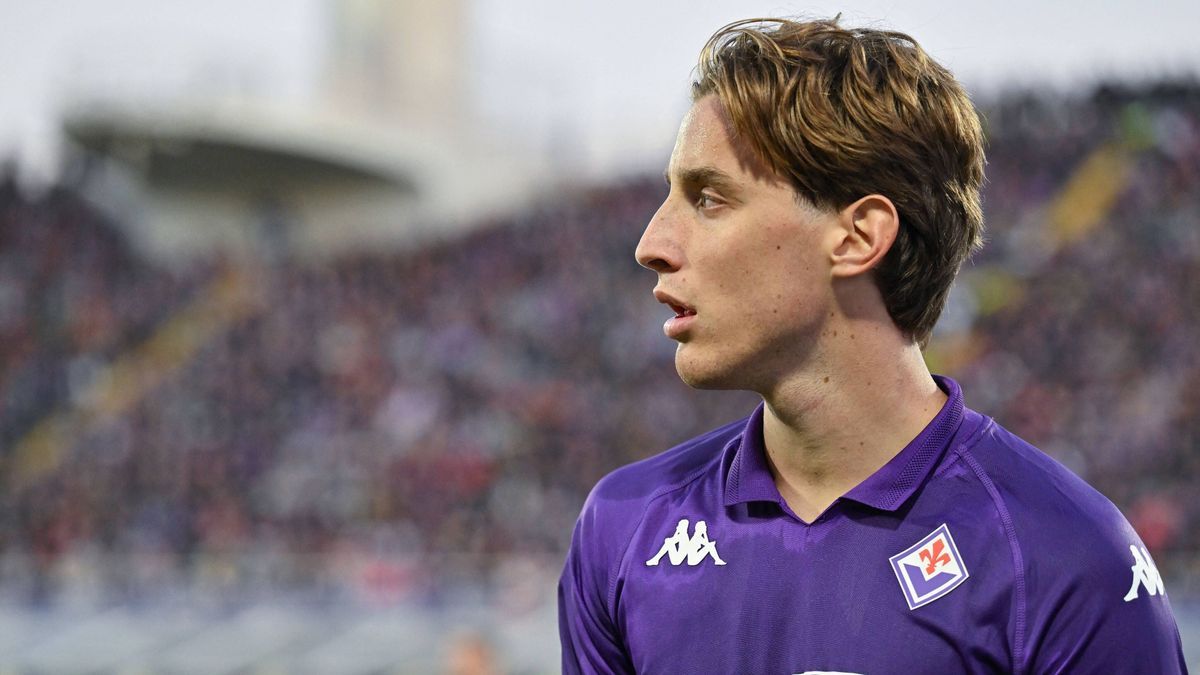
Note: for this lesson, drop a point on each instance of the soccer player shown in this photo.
(823, 193)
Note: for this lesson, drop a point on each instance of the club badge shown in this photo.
(930, 568)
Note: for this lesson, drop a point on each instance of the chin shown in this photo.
(706, 372)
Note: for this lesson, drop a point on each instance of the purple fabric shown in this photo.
(1029, 574)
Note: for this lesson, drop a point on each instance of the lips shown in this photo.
(680, 310)
(685, 315)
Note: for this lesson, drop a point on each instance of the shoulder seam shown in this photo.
(611, 598)
(1014, 547)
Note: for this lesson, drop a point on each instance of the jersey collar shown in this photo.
(749, 479)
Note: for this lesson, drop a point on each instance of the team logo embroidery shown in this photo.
(1144, 574)
(680, 547)
(930, 568)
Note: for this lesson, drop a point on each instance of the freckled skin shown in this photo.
(746, 255)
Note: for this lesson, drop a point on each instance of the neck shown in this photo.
(829, 427)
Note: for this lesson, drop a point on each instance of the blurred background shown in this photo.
(320, 318)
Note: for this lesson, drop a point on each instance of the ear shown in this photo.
(867, 229)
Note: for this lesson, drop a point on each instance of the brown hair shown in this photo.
(844, 113)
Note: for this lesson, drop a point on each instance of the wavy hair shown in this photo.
(842, 113)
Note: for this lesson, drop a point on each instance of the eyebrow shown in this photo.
(704, 175)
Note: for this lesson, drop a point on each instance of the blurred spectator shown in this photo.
(472, 654)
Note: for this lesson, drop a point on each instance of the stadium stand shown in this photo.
(373, 434)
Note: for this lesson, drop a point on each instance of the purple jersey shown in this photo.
(969, 551)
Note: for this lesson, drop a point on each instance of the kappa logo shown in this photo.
(679, 546)
(929, 569)
(1144, 574)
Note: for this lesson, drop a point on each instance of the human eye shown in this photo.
(707, 200)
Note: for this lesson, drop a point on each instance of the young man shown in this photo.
(824, 190)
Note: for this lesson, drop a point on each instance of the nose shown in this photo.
(658, 249)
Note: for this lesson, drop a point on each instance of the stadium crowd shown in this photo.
(413, 425)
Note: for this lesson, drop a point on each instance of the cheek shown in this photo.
(779, 300)
(770, 277)
(756, 310)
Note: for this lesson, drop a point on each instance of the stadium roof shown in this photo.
(202, 173)
(242, 149)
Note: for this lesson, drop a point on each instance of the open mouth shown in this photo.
(679, 325)
(681, 311)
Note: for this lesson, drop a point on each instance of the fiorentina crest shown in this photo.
(930, 568)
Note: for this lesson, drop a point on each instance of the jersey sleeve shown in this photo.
(591, 641)
(1107, 612)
